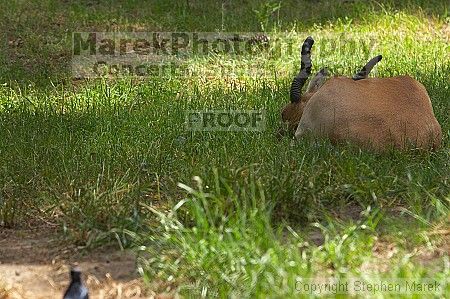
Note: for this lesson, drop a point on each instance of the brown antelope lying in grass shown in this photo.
(380, 113)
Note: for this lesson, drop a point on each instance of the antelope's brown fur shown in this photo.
(375, 112)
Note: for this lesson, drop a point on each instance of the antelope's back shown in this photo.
(380, 112)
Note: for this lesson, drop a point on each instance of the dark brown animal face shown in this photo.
(292, 113)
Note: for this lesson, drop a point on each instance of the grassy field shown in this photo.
(226, 214)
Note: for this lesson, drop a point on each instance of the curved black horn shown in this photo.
(305, 70)
(364, 72)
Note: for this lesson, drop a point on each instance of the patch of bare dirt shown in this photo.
(383, 251)
(440, 236)
(428, 256)
(35, 264)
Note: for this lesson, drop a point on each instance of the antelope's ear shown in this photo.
(318, 80)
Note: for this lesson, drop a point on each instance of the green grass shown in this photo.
(103, 159)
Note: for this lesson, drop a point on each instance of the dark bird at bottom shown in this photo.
(76, 289)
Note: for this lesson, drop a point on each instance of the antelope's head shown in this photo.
(292, 112)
